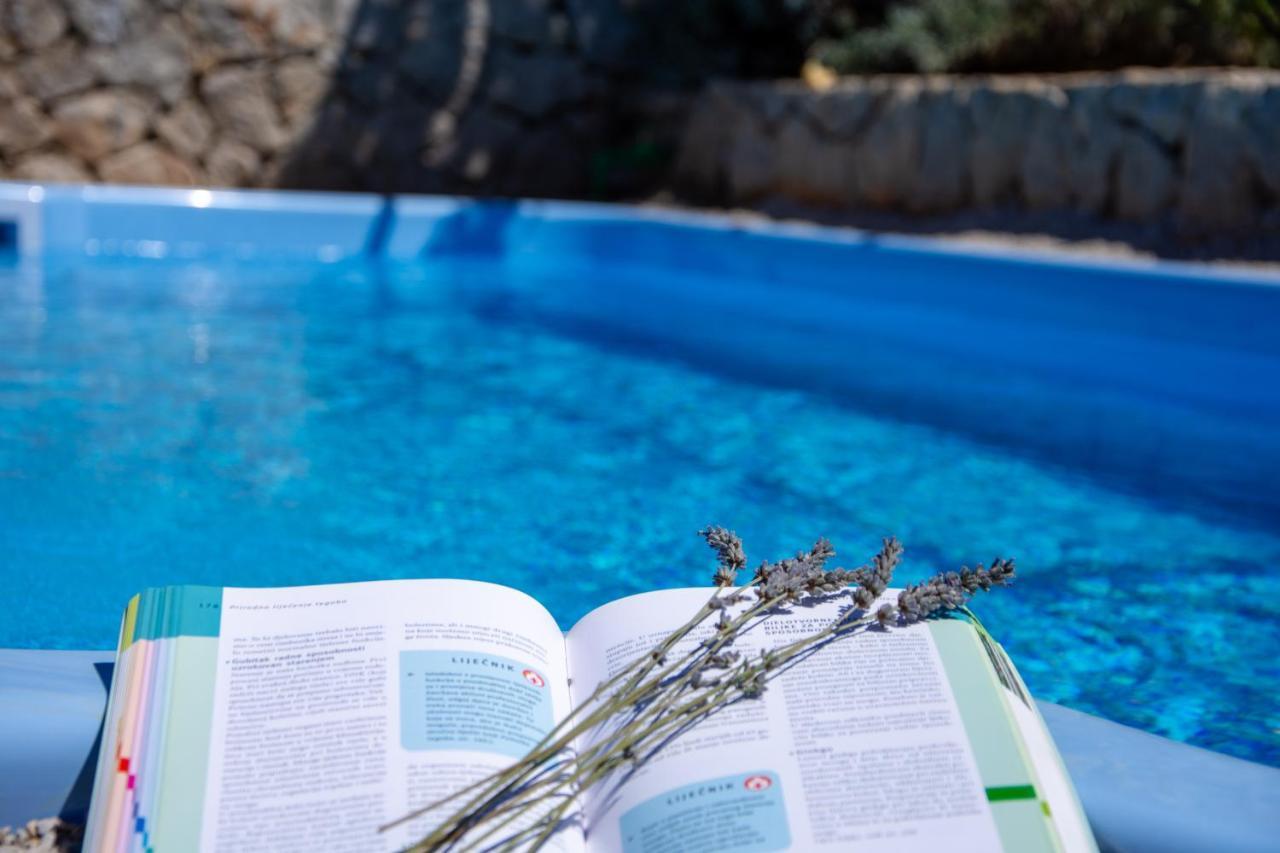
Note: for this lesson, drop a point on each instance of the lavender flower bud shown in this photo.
(949, 590)
(724, 577)
(863, 598)
(728, 548)
(722, 660)
(879, 574)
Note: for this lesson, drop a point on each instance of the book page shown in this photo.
(340, 708)
(860, 745)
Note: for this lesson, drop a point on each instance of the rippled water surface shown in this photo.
(256, 426)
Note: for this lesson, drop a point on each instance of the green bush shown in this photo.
(1041, 35)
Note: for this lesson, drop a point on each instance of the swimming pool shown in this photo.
(557, 397)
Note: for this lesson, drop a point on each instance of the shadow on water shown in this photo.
(475, 230)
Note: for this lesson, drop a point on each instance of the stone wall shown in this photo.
(518, 96)
(1199, 149)
(156, 92)
(565, 98)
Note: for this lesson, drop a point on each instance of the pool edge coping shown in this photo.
(57, 219)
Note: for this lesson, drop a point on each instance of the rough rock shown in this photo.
(524, 21)
(1162, 108)
(1002, 112)
(101, 21)
(559, 30)
(50, 834)
(57, 71)
(1094, 145)
(35, 24)
(381, 26)
(147, 163)
(541, 156)
(300, 24)
(535, 85)
(328, 149)
(100, 122)
(22, 125)
(700, 168)
(889, 152)
(1145, 179)
(158, 60)
(434, 50)
(10, 86)
(232, 164)
(842, 111)
(50, 168)
(1217, 183)
(186, 129)
(239, 100)
(225, 30)
(482, 146)
(300, 84)
(752, 162)
(606, 33)
(270, 173)
(775, 104)
(942, 180)
(365, 81)
(1262, 138)
(812, 169)
(1045, 177)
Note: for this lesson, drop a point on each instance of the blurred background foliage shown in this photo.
(1043, 35)
(853, 36)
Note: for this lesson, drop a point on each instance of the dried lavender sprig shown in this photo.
(950, 590)
(632, 677)
(490, 788)
(748, 679)
(644, 696)
(798, 575)
(728, 548)
(802, 573)
(651, 687)
(751, 683)
(873, 580)
(655, 704)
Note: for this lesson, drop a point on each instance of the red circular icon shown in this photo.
(533, 678)
(757, 783)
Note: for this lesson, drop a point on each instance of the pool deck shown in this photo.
(1140, 792)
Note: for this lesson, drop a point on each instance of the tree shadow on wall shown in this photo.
(565, 98)
(399, 78)
(486, 97)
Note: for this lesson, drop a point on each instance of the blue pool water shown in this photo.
(567, 432)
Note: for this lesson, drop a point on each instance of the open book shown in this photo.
(303, 718)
